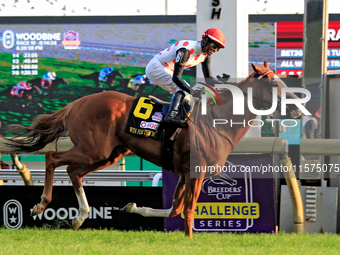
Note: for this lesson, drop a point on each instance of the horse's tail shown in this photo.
(44, 129)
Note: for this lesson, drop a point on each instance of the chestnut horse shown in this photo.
(96, 125)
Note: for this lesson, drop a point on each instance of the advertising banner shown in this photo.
(240, 199)
(17, 202)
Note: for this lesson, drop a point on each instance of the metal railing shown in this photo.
(98, 176)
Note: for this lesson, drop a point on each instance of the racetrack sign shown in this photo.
(237, 200)
(17, 202)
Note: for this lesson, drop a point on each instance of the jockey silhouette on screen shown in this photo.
(140, 79)
(47, 79)
(104, 73)
(166, 68)
(19, 88)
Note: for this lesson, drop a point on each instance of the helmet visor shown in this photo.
(214, 45)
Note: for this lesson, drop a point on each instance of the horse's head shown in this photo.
(61, 80)
(117, 73)
(267, 81)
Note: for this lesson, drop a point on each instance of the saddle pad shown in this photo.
(144, 118)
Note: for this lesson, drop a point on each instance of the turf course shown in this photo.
(56, 241)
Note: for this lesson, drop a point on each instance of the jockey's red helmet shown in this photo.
(216, 35)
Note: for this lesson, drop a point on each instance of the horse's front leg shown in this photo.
(178, 199)
(192, 191)
(177, 204)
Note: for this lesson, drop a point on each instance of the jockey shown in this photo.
(20, 87)
(24, 85)
(139, 80)
(104, 73)
(166, 68)
(47, 79)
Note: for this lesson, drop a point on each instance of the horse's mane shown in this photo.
(223, 93)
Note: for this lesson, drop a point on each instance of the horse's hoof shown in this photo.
(129, 207)
(37, 209)
(76, 223)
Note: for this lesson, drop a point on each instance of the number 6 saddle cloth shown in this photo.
(147, 114)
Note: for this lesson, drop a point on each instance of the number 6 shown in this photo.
(143, 105)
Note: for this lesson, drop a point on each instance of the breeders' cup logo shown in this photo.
(226, 202)
(71, 40)
(157, 117)
(12, 211)
(221, 186)
(8, 39)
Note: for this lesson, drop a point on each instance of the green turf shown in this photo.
(55, 241)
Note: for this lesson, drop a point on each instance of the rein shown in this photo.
(195, 121)
(218, 132)
(227, 137)
(269, 87)
(224, 136)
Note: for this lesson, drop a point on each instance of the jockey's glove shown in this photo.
(224, 78)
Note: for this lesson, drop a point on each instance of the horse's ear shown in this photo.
(254, 67)
(266, 64)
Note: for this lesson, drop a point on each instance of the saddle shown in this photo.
(146, 119)
(185, 108)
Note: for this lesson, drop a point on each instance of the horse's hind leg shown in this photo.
(56, 159)
(51, 165)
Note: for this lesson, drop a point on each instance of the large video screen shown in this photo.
(78, 50)
(289, 45)
(45, 66)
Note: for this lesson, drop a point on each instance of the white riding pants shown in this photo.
(161, 75)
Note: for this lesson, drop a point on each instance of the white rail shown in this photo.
(99, 176)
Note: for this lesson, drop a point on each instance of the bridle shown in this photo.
(269, 85)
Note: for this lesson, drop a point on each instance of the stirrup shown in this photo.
(171, 117)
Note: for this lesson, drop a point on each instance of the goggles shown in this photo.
(214, 46)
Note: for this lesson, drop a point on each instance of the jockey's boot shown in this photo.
(172, 115)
